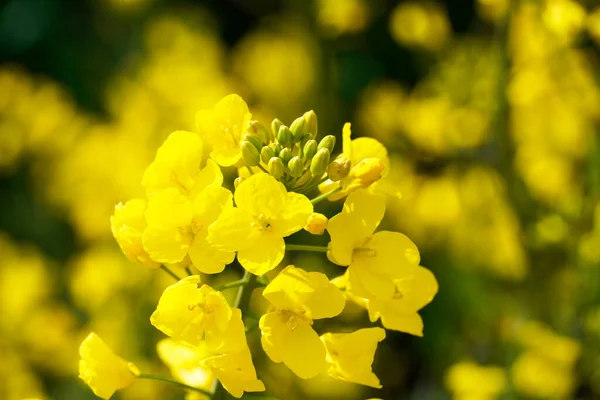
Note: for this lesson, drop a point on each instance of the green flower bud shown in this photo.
(319, 163)
(310, 149)
(328, 142)
(311, 122)
(266, 154)
(258, 129)
(250, 154)
(285, 155)
(276, 167)
(296, 166)
(339, 168)
(275, 125)
(284, 137)
(299, 128)
(276, 147)
(254, 139)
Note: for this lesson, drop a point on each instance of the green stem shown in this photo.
(189, 271)
(168, 271)
(232, 284)
(322, 197)
(250, 170)
(305, 247)
(174, 382)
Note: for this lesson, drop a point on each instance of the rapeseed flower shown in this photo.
(178, 226)
(102, 370)
(223, 127)
(178, 165)
(297, 298)
(127, 225)
(265, 213)
(350, 355)
(185, 362)
(193, 313)
(374, 260)
(469, 381)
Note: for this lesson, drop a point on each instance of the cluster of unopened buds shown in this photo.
(190, 222)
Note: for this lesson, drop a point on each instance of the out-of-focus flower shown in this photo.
(421, 25)
(470, 381)
(185, 362)
(338, 17)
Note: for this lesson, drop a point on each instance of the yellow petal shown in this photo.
(165, 245)
(273, 335)
(176, 164)
(347, 233)
(366, 207)
(169, 208)
(102, 370)
(409, 323)
(261, 194)
(210, 175)
(184, 362)
(265, 253)
(206, 258)
(351, 354)
(304, 352)
(210, 203)
(233, 230)
(293, 216)
(226, 157)
(367, 284)
(347, 141)
(309, 293)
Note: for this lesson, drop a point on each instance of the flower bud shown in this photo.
(310, 149)
(285, 155)
(328, 142)
(339, 168)
(366, 172)
(250, 154)
(316, 223)
(237, 181)
(299, 128)
(319, 163)
(276, 167)
(276, 147)
(275, 125)
(258, 129)
(255, 140)
(266, 154)
(311, 122)
(284, 137)
(296, 167)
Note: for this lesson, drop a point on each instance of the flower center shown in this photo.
(262, 223)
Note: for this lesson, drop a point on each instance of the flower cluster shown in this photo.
(191, 222)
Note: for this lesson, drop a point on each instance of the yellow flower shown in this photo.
(265, 214)
(178, 226)
(231, 364)
(185, 362)
(468, 380)
(102, 370)
(374, 260)
(350, 355)
(316, 224)
(223, 127)
(298, 297)
(369, 160)
(192, 313)
(177, 165)
(412, 293)
(127, 225)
